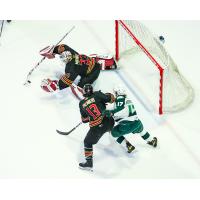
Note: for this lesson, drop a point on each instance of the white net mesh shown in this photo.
(177, 92)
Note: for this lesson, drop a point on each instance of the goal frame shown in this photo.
(136, 40)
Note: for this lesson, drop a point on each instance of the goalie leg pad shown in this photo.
(77, 91)
(106, 61)
(49, 85)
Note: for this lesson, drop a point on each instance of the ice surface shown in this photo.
(29, 144)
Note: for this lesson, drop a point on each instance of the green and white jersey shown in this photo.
(124, 109)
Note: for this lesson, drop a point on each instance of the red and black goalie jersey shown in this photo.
(77, 65)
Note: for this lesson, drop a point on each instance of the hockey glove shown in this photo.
(108, 113)
(85, 120)
(49, 85)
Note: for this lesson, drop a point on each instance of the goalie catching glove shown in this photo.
(49, 85)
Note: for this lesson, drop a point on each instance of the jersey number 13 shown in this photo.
(93, 111)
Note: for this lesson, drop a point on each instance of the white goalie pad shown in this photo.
(77, 91)
(106, 61)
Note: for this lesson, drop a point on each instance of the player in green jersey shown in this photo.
(127, 120)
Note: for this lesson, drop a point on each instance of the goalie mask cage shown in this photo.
(168, 90)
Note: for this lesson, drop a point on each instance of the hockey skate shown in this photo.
(88, 165)
(130, 147)
(153, 142)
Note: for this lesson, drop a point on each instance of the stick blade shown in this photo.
(62, 132)
(27, 83)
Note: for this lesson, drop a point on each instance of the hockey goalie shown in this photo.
(76, 65)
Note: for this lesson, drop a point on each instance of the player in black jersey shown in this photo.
(75, 65)
(87, 68)
(91, 109)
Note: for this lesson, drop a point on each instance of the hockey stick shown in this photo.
(31, 71)
(68, 132)
(2, 23)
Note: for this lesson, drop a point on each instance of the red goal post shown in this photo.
(141, 39)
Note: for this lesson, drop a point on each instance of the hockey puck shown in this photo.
(162, 39)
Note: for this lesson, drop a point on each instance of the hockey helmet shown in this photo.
(66, 56)
(119, 90)
(87, 90)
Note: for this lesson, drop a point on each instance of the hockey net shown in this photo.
(154, 71)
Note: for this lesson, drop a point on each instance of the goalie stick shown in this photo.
(68, 132)
(31, 71)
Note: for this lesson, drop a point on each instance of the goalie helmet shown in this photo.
(66, 56)
(87, 90)
(119, 90)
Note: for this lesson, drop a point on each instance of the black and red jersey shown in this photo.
(92, 107)
(80, 65)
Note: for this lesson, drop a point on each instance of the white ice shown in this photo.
(29, 145)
